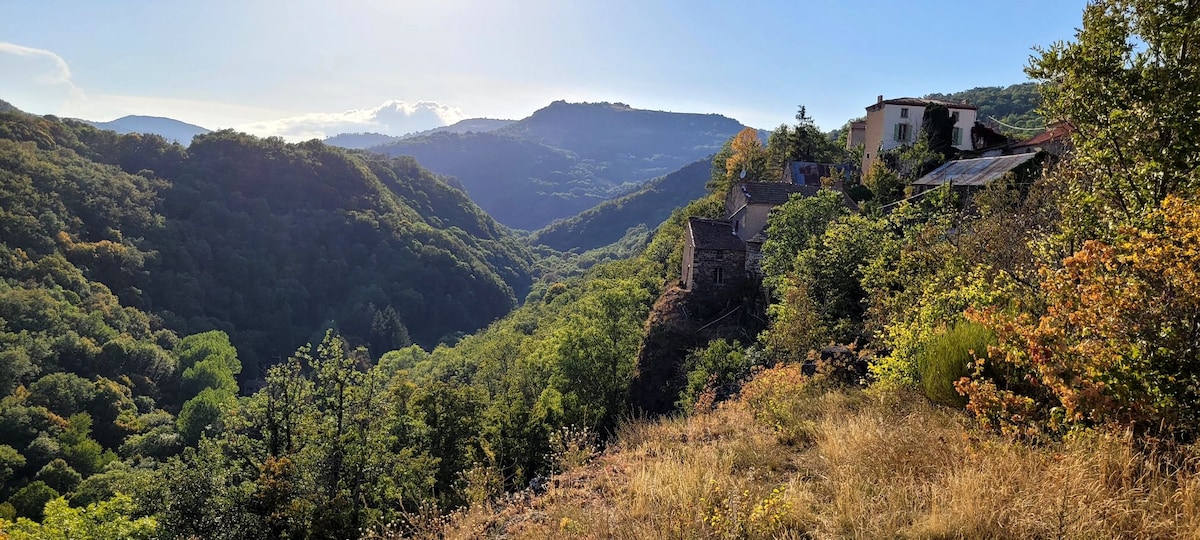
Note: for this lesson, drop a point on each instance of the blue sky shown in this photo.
(306, 68)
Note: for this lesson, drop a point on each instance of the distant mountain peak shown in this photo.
(169, 128)
(362, 141)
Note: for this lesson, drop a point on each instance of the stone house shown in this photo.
(720, 253)
(713, 257)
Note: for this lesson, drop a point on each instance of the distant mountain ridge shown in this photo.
(566, 157)
(169, 128)
(363, 141)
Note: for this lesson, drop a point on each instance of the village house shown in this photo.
(723, 253)
(895, 122)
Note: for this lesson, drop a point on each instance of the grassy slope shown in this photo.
(791, 459)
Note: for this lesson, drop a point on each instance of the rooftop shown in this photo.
(921, 102)
(773, 193)
(714, 234)
(777, 193)
(1052, 134)
(974, 172)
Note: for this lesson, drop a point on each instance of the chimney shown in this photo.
(879, 99)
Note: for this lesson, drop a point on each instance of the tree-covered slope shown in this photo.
(566, 157)
(608, 221)
(268, 241)
(522, 184)
(1014, 105)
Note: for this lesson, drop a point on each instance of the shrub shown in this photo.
(947, 358)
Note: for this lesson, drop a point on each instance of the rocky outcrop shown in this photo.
(682, 320)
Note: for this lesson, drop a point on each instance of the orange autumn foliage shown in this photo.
(1118, 340)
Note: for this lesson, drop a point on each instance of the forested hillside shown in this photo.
(566, 158)
(1015, 105)
(234, 227)
(608, 221)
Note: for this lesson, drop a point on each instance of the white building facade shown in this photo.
(896, 122)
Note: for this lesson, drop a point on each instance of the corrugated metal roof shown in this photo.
(973, 172)
(714, 234)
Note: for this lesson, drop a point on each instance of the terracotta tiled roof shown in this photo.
(1053, 134)
(714, 234)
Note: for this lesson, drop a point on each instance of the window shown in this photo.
(901, 133)
(904, 112)
(719, 276)
(954, 116)
(956, 139)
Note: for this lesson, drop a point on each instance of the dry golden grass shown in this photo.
(791, 460)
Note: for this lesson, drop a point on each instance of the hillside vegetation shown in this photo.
(608, 221)
(1020, 364)
(794, 458)
(143, 285)
(1013, 107)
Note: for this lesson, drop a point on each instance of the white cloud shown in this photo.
(35, 78)
(391, 118)
(39, 81)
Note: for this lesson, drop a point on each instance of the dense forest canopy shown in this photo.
(1012, 109)
(234, 227)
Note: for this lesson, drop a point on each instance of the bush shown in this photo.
(947, 358)
(716, 370)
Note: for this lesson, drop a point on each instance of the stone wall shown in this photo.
(714, 269)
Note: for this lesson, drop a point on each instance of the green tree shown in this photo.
(30, 501)
(1126, 86)
(104, 520)
(718, 368)
(808, 143)
(884, 183)
(64, 393)
(82, 452)
(10, 462)
(202, 413)
(596, 346)
(60, 476)
(794, 225)
(937, 130)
